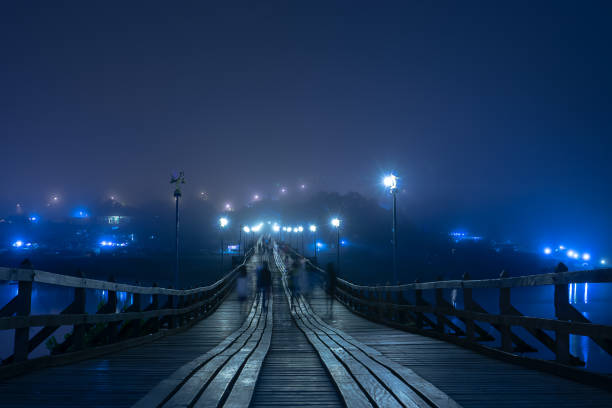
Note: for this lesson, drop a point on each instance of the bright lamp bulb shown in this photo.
(223, 222)
(313, 228)
(390, 181)
(335, 222)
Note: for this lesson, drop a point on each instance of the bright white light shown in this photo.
(570, 253)
(246, 229)
(547, 251)
(283, 190)
(603, 262)
(561, 247)
(390, 182)
(303, 186)
(18, 244)
(276, 228)
(335, 222)
(313, 228)
(295, 229)
(300, 228)
(256, 197)
(228, 206)
(586, 256)
(223, 222)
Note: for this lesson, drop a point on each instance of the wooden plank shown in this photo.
(166, 388)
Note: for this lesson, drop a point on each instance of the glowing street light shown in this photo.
(335, 222)
(390, 182)
(313, 229)
(547, 251)
(586, 256)
(276, 228)
(223, 221)
(228, 207)
(256, 197)
(603, 262)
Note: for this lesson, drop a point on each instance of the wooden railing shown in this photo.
(406, 307)
(153, 312)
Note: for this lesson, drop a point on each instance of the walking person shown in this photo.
(331, 287)
(242, 286)
(266, 284)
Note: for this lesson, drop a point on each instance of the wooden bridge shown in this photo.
(385, 346)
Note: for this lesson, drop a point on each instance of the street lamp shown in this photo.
(336, 224)
(390, 182)
(313, 229)
(301, 231)
(222, 224)
(177, 181)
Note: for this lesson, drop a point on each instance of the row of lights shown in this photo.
(573, 254)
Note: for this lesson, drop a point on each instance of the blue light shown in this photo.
(547, 251)
(18, 244)
(33, 218)
(80, 213)
(343, 242)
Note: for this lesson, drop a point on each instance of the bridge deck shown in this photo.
(121, 379)
(292, 373)
(470, 378)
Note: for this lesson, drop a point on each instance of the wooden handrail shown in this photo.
(181, 308)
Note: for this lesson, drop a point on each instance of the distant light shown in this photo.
(246, 229)
(335, 222)
(223, 222)
(256, 197)
(586, 256)
(18, 244)
(319, 245)
(295, 229)
(80, 214)
(390, 182)
(276, 227)
(342, 243)
(303, 186)
(33, 218)
(313, 228)
(547, 251)
(570, 253)
(603, 262)
(561, 247)
(228, 206)
(283, 190)
(300, 229)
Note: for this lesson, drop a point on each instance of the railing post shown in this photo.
(172, 304)
(78, 332)
(136, 303)
(403, 315)
(418, 296)
(505, 309)
(467, 306)
(24, 307)
(155, 306)
(562, 337)
(112, 307)
(440, 308)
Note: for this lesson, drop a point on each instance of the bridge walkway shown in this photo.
(121, 379)
(292, 374)
(470, 378)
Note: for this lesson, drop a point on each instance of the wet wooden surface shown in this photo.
(471, 379)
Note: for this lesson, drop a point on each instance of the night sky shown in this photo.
(496, 116)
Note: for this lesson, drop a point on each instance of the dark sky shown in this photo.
(496, 116)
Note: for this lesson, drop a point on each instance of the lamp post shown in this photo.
(336, 224)
(390, 182)
(246, 230)
(222, 224)
(301, 231)
(177, 181)
(313, 229)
